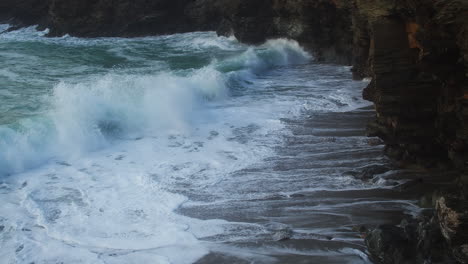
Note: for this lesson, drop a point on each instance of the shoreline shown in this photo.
(416, 56)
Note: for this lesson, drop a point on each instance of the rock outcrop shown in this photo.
(416, 54)
(413, 241)
(123, 18)
(452, 213)
(22, 13)
(415, 51)
(132, 18)
(321, 26)
(437, 235)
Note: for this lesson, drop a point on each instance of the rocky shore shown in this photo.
(414, 51)
(416, 54)
(323, 27)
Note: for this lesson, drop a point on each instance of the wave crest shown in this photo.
(89, 115)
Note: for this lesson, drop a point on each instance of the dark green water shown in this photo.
(178, 149)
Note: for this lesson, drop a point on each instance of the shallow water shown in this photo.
(181, 149)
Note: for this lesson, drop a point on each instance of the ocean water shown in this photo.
(181, 149)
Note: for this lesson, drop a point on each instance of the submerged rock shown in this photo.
(369, 172)
(280, 232)
(282, 235)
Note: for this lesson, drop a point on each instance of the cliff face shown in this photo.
(24, 12)
(416, 52)
(322, 26)
(89, 18)
(124, 18)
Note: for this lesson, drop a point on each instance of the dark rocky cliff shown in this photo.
(322, 26)
(124, 18)
(414, 51)
(131, 18)
(24, 12)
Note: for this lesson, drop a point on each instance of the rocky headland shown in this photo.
(415, 52)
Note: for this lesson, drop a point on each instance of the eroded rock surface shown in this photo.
(416, 54)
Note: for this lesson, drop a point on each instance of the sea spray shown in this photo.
(91, 114)
(126, 135)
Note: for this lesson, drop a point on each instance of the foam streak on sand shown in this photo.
(125, 132)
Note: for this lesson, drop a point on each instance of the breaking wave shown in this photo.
(91, 114)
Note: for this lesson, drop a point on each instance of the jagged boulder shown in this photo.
(452, 212)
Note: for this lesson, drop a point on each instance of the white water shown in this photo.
(96, 173)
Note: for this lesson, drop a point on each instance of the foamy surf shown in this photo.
(128, 134)
(85, 116)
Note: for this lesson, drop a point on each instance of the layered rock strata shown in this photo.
(416, 54)
(417, 58)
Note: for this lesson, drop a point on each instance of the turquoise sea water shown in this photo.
(103, 140)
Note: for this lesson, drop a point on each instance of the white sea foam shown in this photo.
(88, 115)
(98, 177)
(203, 41)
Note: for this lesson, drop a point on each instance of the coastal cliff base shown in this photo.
(416, 54)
